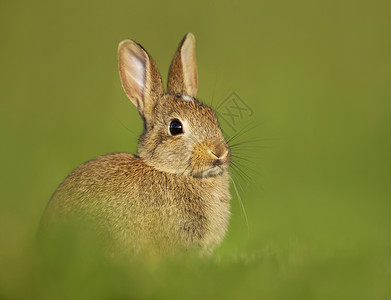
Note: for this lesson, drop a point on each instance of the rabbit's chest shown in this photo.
(204, 219)
(188, 213)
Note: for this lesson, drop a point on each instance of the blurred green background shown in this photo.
(316, 152)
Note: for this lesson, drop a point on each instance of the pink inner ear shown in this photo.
(135, 71)
(132, 68)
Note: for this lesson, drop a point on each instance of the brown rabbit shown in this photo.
(175, 193)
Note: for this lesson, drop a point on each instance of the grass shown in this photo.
(73, 268)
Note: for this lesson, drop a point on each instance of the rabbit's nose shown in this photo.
(224, 155)
(221, 155)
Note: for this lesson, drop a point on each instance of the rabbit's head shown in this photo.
(181, 135)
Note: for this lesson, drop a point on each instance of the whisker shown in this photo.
(248, 168)
(241, 205)
(241, 158)
(237, 172)
(252, 141)
(242, 131)
(132, 132)
(240, 172)
(248, 159)
(240, 186)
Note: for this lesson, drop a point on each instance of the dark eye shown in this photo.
(176, 127)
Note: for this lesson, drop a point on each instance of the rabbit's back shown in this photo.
(138, 205)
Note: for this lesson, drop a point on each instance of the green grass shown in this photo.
(317, 186)
(73, 268)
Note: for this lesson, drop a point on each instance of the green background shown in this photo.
(316, 153)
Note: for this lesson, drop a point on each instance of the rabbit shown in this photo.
(175, 193)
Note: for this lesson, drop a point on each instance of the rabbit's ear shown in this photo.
(183, 74)
(140, 77)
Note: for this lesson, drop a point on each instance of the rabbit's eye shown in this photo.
(176, 127)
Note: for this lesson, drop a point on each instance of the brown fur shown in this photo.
(175, 194)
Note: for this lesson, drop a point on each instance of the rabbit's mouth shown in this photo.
(214, 171)
(209, 160)
(210, 172)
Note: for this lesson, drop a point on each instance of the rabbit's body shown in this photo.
(110, 190)
(175, 194)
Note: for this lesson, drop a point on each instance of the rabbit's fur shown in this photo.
(175, 194)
